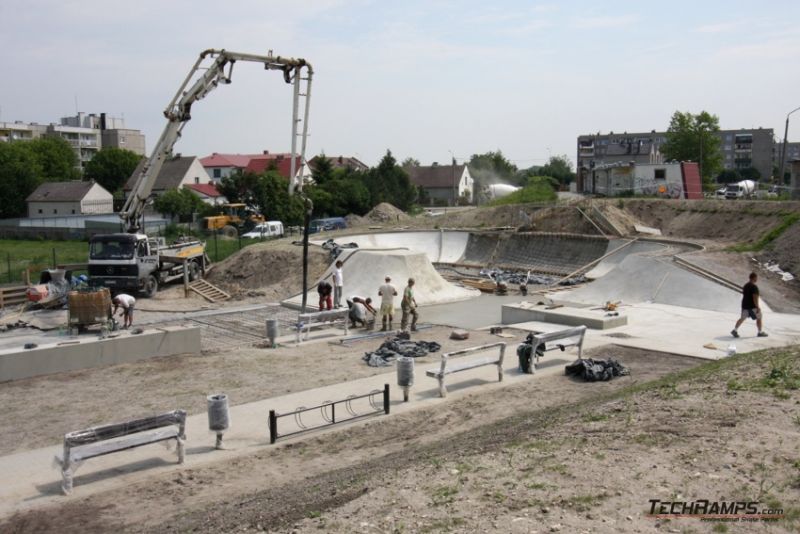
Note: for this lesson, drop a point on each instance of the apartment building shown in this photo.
(740, 149)
(86, 134)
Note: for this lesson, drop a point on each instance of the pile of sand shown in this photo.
(385, 212)
(355, 220)
(273, 270)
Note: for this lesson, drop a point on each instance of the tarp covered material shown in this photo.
(392, 349)
(596, 370)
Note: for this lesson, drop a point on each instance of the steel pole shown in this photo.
(783, 152)
(295, 106)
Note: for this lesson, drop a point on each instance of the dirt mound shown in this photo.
(385, 212)
(273, 270)
(721, 220)
(783, 250)
(355, 220)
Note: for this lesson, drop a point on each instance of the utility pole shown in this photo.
(783, 152)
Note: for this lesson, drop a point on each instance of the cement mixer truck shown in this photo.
(743, 189)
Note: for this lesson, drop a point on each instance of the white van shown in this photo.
(269, 229)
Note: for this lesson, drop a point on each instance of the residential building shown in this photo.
(340, 162)
(740, 149)
(208, 193)
(54, 199)
(21, 131)
(86, 134)
(444, 184)
(219, 166)
(174, 174)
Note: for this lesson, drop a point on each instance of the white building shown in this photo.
(52, 199)
(443, 183)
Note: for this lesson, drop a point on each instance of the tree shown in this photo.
(323, 170)
(271, 196)
(111, 167)
(56, 158)
(239, 187)
(729, 176)
(20, 174)
(491, 168)
(693, 138)
(410, 162)
(750, 173)
(180, 203)
(388, 182)
(559, 168)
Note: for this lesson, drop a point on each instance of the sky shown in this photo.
(433, 80)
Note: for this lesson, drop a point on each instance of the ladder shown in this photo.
(208, 291)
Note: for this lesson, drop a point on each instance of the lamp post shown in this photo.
(453, 171)
(783, 152)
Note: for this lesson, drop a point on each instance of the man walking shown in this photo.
(387, 292)
(409, 307)
(750, 307)
(338, 284)
(126, 302)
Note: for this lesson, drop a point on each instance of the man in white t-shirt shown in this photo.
(359, 306)
(126, 302)
(387, 293)
(338, 285)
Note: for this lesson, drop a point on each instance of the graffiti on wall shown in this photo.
(659, 188)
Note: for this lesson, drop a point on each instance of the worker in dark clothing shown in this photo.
(325, 290)
(750, 307)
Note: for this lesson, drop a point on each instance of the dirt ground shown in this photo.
(543, 455)
(395, 463)
(546, 455)
(36, 414)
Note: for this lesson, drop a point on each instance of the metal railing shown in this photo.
(328, 413)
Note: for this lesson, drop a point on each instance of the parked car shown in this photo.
(331, 223)
(269, 229)
(720, 193)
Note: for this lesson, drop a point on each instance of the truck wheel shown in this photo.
(230, 232)
(194, 271)
(150, 286)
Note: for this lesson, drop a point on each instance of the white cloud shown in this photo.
(720, 27)
(611, 21)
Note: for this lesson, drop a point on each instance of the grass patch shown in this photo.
(538, 191)
(594, 417)
(788, 219)
(782, 377)
(444, 495)
(445, 525)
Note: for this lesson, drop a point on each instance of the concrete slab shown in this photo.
(595, 319)
(71, 354)
(364, 271)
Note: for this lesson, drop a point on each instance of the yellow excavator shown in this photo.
(235, 217)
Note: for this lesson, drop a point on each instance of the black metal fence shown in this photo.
(375, 402)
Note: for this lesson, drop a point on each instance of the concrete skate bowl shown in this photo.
(402, 255)
(557, 254)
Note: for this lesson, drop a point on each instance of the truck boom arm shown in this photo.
(178, 113)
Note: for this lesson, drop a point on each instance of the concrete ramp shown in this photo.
(654, 279)
(364, 271)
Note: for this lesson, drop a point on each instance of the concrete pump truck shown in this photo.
(130, 261)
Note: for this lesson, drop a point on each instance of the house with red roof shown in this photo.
(219, 166)
(208, 193)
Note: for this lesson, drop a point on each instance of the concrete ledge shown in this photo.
(88, 352)
(523, 312)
